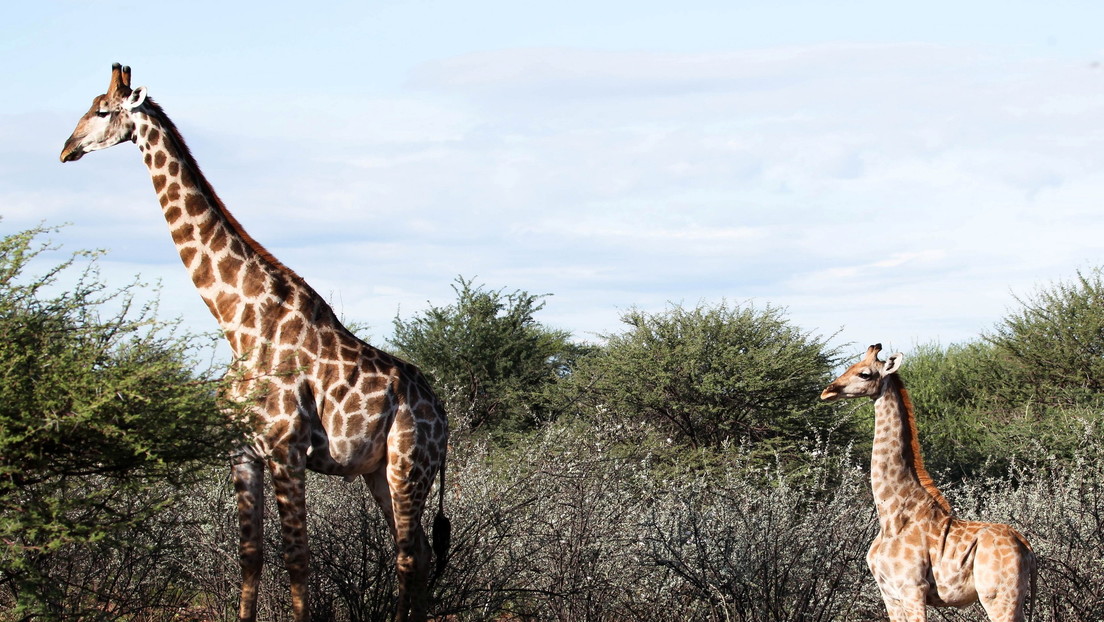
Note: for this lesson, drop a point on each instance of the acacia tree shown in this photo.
(488, 356)
(103, 421)
(712, 374)
(1051, 350)
(1024, 390)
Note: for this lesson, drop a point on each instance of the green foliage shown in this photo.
(569, 526)
(1051, 351)
(102, 419)
(489, 358)
(946, 387)
(1025, 391)
(709, 376)
(594, 517)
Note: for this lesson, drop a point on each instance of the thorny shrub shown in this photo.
(572, 527)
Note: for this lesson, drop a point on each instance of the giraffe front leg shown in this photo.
(248, 477)
(290, 487)
(905, 597)
(910, 608)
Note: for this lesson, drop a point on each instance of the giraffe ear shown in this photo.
(893, 363)
(136, 98)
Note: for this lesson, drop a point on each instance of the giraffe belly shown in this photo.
(348, 457)
(953, 565)
(954, 585)
(952, 596)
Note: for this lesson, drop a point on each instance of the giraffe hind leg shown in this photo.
(1004, 601)
(412, 552)
(1003, 573)
(412, 567)
(1004, 606)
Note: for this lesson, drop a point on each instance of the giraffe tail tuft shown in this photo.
(442, 533)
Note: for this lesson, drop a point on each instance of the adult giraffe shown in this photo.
(321, 398)
(924, 554)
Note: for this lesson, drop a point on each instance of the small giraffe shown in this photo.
(321, 398)
(923, 554)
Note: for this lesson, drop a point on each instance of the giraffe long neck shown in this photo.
(897, 475)
(246, 288)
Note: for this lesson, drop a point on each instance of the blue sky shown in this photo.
(896, 172)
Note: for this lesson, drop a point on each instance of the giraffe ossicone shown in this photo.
(924, 554)
(321, 398)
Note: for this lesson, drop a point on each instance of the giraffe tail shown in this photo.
(442, 532)
(1032, 593)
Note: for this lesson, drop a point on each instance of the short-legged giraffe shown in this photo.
(322, 399)
(923, 553)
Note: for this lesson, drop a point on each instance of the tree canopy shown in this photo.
(103, 417)
(712, 374)
(489, 357)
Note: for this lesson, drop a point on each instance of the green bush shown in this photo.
(489, 358)
(1051, 351)
(711, 376)
(1025, 391)
(669, 494)
(103, 422)
(570, 526)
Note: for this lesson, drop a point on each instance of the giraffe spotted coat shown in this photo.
(923, 554)
(321, 398)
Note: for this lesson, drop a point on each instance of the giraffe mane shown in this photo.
(918, 458)
(204, 186)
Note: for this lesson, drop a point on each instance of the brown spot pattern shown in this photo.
(196, 205)
(202, 275)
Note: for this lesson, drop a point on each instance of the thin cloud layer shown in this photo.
(897, 191)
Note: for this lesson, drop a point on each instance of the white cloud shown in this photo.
(914, 184)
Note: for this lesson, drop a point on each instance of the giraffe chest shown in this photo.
(356, 410)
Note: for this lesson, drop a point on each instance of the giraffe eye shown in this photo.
(102, 113)
(865, 375)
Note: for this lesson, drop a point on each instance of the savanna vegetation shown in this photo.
(680, 468)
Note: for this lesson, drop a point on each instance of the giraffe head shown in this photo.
(108, 122)
(863, 379)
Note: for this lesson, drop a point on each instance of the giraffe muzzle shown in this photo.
(72, 151)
